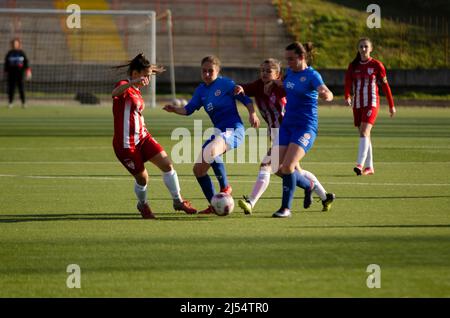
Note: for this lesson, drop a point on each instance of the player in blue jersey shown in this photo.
(303, 85)
(216, 96)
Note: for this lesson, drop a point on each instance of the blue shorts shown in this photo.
(233, 137)
(304, 137)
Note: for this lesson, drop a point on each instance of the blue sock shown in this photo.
(220, 172)
(207, 186)
(302, 181)
(289, 181)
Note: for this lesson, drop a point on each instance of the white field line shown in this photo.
(318, 147)
(126, 178)
(351, 163)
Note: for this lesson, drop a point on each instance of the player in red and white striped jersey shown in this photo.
(271, 100)
(362, 78)
(133, 144)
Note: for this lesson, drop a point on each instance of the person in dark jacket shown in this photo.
(16, 69)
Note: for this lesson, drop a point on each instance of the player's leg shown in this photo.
(154, 152)
(327, 198)
(212, 153)
(369, 120)
(20, 85)
(293, 154)
(11, 88)
(200, 171)
(260, 186)
(132, 161)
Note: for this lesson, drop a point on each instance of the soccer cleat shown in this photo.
(282, 213)
(328, 201)
(307, 201)
(208, 210)
(368, 171)
(185, 206)
(145, 210)
(358, 170)
(245, 205)
(227, 190)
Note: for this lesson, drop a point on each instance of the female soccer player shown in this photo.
(362, 76)
(133, 144)
(298, 130)
(271, 100)
(216, 95)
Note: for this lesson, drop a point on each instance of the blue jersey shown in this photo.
(301, 93)
(219, 102)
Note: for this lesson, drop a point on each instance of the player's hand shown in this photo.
(348, 101)
(238, 89)
(169, 108)
(142, 81)
(392, 111)
(254, 120)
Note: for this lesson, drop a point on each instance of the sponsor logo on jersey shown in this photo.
(217, 93)
(302, 79)
(209, 107)
(304, 141)
(369, 113)
(290, 85)
(129, 163)
(370, 71)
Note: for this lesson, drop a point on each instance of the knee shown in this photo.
(286, 169)
(167, 167)
(199, 170)
(141, 178)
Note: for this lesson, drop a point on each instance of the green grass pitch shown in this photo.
(65, 199)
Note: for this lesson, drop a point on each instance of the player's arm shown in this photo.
(170, 108)
(252, 117)
(325, 93)
(193, 105)
(348, 86)
(387, 90)
(120, 89)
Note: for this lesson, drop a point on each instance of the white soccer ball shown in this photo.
(222, 203)
(280, 21)
(176, 102)
(184, 102)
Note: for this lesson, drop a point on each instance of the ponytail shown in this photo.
(139, 63)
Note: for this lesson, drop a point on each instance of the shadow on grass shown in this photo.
(18, 218)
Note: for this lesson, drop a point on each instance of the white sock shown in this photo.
(364, 143)
(369, 159)
(261, 184)
(171, 181)
(141, 192)
(319, 189)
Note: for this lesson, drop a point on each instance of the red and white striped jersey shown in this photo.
(270, 106)
(129, 126)
(363, 81)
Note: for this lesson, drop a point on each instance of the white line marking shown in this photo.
(305, 163)
(128, 178)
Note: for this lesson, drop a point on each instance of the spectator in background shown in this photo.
(16, 69)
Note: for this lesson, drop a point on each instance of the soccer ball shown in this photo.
(222, 203)
(176, 102)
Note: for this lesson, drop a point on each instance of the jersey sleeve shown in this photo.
(119, 83)
(25, 61)
(250, 89)
(195, 103)
(316, 80)
(382, 78)
(244, 99)
(348, 82)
